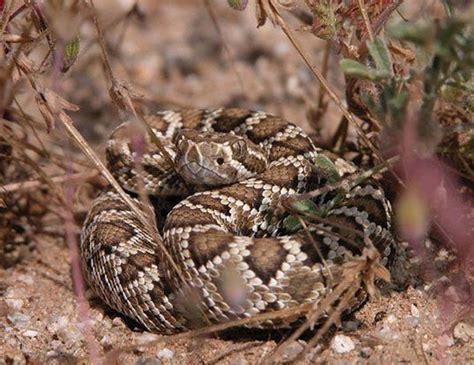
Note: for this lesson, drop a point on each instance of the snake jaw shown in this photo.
(201, 164)
(216, 159)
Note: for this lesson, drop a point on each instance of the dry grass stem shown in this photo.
(377, 24)
(42, 171)
(122, 96)
(368, 25)
(24, 186)
(320, 77)
(315, 245)
(360, 270)
(292, 313)
(215, 23)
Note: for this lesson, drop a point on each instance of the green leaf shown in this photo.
(238, 4)
(397, 104)
(421, 34)
(468, 148)
(358, 70)
(71, 51)
(304, 206)
(381, 55)
(326, 168)
(354, 68)
(291, 224)
(376, 108)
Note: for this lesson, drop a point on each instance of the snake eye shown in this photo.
(220, 161)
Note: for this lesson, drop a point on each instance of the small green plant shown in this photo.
(445, 69)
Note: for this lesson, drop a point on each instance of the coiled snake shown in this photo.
(226, 240)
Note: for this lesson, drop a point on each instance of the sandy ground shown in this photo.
(40, 324)
(175, 57)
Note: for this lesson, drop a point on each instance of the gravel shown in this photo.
(342, 344)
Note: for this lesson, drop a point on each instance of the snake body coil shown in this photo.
(226, 241)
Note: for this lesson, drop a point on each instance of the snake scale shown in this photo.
(231, 167)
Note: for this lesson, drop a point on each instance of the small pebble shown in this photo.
(413, 321)
(63, 327)
(365, 352)
(391, 318)
(107, 341)
(13, 298)
(56, 344)
(30, 333)
(57, 323)
(27, 279)
(351, 326)
(446, 340)
(145, 337)
(379, 316)
(463, 332)
(19, 320)
(15, 303)
(99, 316)
(118, 322)
(292, 350)
(148, 361)
(415, 312)
(71, 333)
(165, 354)
(239, 361)
(387, 334)
(443, 254)
(342, 344)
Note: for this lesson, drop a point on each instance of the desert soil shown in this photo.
(175, 57)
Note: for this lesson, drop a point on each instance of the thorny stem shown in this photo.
(321, 220)
(313, 68)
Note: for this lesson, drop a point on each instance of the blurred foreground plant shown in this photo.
(419, 109)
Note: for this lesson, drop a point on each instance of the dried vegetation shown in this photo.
(408, 112)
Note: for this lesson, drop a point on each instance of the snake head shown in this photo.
(211, 159)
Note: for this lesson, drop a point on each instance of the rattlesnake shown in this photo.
(225, 241)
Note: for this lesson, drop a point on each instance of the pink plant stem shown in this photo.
(440, 193)
(78, 280)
